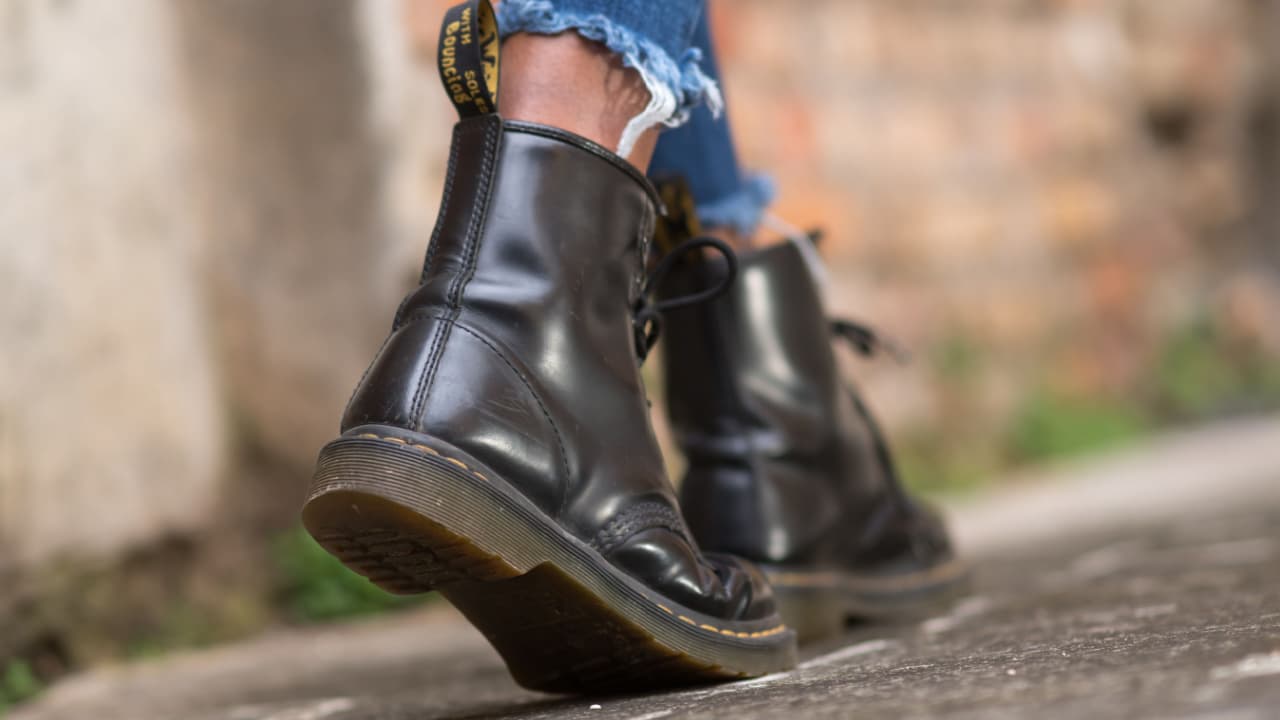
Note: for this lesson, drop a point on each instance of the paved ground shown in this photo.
(1147, 585)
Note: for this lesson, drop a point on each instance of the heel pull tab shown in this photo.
(468, 57)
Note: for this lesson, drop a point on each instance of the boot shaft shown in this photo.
(752, 372)
(781, 455)
(536, 218)
(518, 345)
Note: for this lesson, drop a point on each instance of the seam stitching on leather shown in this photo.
(450, 173)
(419, 395)
(438, 335)
(555, 430)
(648, 515)
(480, 210)
(476, 473)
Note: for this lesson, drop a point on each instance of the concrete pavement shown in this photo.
(1142, 585)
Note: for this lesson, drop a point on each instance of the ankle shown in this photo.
(574, 84)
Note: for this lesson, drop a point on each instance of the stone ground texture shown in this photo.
(1167, 608)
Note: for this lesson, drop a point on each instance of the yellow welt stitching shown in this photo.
(664, 608)
(417, 446)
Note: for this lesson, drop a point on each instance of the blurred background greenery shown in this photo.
(1065, 209)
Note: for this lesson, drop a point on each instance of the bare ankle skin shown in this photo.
(574, 84)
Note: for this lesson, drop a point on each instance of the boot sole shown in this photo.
(407, 512)
(821, 604)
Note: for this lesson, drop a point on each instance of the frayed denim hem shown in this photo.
(742, 210)
(675, 88)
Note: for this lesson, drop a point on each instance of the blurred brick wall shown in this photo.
(1061, 183)
(1035, 196)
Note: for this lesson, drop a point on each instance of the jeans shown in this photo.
(669, 43)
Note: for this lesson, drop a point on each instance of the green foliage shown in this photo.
(957, 359)
(1193, 373)
(1053, 425)
(933, 465)
(1201, 374)
(1050, 426)
(17, 684)
(316, 587)
(184, 624)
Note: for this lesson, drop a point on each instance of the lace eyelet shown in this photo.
(647, 314)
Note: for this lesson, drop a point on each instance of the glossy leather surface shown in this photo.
(785, 463)
(518, 349)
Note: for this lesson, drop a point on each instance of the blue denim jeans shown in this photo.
(669, 43)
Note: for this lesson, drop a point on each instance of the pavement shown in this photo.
(1142, 585)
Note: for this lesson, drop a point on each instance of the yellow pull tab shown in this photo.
(468, 57)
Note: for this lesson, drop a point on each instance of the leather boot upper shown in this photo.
(518, 349)
(785, 465)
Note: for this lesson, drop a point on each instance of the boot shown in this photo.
(499, 448)
(785, 464)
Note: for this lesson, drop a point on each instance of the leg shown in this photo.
(569, 82)
(610, 70)
(499, 447)
(730, 201)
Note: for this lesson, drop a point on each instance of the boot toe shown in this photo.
(749, 583)
(721, 586)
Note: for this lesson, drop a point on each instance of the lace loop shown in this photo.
(647, 315)
(867, 341)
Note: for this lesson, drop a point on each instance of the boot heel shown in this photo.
(409, 518)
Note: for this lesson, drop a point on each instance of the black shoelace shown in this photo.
(647, 315)
(867, 341)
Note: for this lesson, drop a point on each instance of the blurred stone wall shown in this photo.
(111, 426)
(200, 246)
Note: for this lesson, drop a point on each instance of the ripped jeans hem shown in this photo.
(741, 210)
(675, 88)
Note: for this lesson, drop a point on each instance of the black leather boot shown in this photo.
(499, 448)
(785, 464)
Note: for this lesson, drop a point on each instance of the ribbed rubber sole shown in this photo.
(819, 604)
(413, 514)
